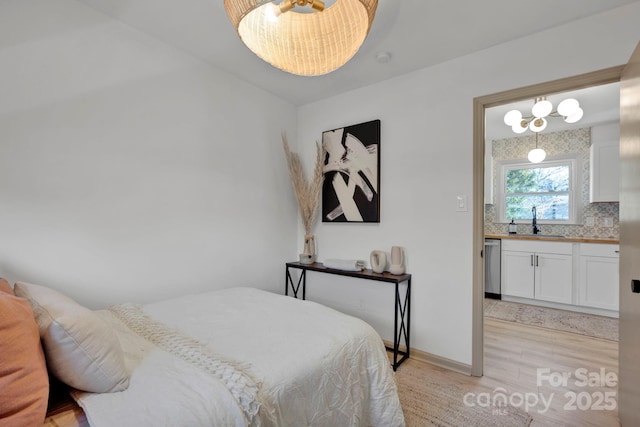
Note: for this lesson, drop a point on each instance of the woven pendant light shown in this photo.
(307, 44)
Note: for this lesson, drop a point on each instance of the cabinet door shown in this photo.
(598, 285)
(517, 274)
(605, 171)
(488, 173)
(553, 278)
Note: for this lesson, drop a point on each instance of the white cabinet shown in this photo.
(538, 270)
(517, 275)
(598, 283)
(605, 164)
(488, 172)
(553, 277)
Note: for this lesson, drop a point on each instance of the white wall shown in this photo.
(130, 171)
(426, 150)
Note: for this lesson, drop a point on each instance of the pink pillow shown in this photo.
(24, 383)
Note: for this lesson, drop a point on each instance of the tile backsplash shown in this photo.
(556, 143)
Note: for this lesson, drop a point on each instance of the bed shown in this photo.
(232, 357)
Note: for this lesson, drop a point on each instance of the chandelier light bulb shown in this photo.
(272, 13)
(512, 117)
(568, 107)
(538, 125)
(575, 116)
(536, 155)
(542, 108)
(519, 128)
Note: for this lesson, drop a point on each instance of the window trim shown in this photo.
(573, 160)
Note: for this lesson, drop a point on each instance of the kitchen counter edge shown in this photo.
(554, 239)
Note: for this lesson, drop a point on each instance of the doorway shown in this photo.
(609, 75)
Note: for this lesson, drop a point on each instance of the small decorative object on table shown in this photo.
(345, 264)
(378, 261)
(307, 195)
(397, 260)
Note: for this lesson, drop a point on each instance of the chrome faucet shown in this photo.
(534, 224)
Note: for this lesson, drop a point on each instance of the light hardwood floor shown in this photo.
(515, 352)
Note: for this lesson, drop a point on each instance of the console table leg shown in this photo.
(296, 288)
(287, 280)
(304, 284)
(402, 311)
(408, 308)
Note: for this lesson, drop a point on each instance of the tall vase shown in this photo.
(397, 260)
(308, 256)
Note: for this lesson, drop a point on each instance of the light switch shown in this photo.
(461, 201)
(607, 221)
(589, 221)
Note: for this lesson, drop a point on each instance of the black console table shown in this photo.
(402, 318)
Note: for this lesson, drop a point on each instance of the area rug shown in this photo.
(551, 318)
(429, 401)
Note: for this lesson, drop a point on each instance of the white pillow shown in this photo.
(81, 350)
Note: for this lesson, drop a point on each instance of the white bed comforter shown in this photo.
(312, 365)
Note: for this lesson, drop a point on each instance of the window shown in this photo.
(551, 186)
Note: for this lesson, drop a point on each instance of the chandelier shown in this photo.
(303, 37)
(569, 110)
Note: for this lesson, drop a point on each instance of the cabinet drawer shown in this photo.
(563, 248)
(598, 249)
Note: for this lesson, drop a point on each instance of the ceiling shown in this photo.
(416, 34)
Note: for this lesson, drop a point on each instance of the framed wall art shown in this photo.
(351, 188)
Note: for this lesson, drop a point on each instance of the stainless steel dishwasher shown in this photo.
(492, 255)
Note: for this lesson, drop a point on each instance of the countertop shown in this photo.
(552, 238)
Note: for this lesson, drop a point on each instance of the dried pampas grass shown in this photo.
(307, 192)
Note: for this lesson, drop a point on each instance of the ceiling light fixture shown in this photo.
(303, 37)
(537, 154)
(569, 110)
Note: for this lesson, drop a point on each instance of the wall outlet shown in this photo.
(589, 221)
(607, 221)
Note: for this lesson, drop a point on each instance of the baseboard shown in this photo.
(442, 362)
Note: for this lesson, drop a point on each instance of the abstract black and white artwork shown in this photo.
(350, 192)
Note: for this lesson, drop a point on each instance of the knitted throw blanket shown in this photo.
(233, 375)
